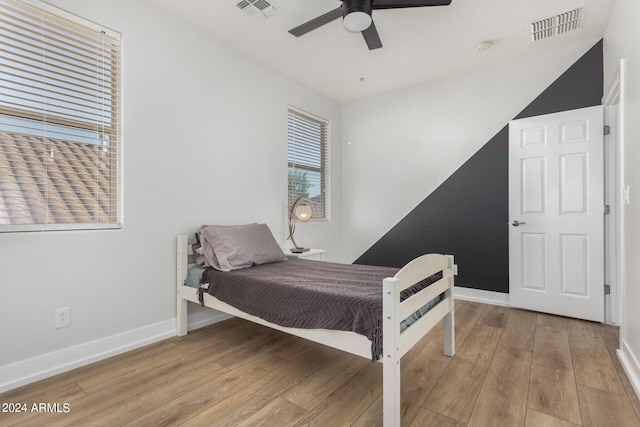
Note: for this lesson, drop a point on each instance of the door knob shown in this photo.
(516, 223)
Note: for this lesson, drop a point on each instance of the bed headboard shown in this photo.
(183, 252)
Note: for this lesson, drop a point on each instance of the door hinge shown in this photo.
(607, 209)
(607, 289)
(607, 129)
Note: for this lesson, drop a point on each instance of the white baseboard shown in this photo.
(47, 365)
(480, 295)
(631, 366)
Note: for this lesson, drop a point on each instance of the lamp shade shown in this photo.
(300, 213)
(356, 21)
(303, 213)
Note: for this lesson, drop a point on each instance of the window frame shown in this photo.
(104, 132)
(324, 168)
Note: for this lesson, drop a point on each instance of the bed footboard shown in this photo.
(396, 344)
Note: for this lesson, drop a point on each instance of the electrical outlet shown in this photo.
(61, 317)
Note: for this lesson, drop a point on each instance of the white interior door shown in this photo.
(556, 208)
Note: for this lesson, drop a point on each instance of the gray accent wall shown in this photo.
(467, 215)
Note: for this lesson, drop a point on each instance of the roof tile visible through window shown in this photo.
(68, 181)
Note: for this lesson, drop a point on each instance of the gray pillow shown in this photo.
(227, 248)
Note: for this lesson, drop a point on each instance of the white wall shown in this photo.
(622, 40)
(204, 141)
(399, 147)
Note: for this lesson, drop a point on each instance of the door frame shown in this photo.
(615, 198)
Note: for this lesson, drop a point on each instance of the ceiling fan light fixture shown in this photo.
(357, 22)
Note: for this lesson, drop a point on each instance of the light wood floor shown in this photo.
(512, 368)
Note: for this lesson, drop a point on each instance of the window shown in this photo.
(59, 120)
(307, 158)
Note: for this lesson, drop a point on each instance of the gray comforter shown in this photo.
(311, 295)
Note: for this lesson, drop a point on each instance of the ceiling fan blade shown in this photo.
(398, 4)
(316, 22)
(371, 37)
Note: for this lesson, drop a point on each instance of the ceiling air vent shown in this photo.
(556, 25)
(257, 9)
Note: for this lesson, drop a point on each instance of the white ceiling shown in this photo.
(419, 44)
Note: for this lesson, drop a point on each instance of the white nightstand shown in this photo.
(312, 254)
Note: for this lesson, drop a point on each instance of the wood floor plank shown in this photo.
(250, 350)
(419, 377)
(481, 344)
(495, 316)
(349, 401)
(552, 391)
(466, 317)
(508, 377)
(502, 413)
(24, 393)
(320, 384)
(455, 393)
(198, 399)
(118, 391)
(609, 334)
(196, 351)
(291, 347)
(519, 331)
(551, 347)
(552, 388)
(602, 408)
(139, 404)
(372, 416)
(551, 321)
(427, 418)
(582, 328)
(457, 389)
(538, 419)
(503, 397)
(250, 399)
(216, 340)
(592, 364)
(279, 411)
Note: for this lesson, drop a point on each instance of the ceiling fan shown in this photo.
(356, 17)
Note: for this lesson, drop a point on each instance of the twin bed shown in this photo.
(374, 312)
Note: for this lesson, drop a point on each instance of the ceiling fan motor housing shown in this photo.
(350, 6)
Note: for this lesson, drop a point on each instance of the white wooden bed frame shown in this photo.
(394, 343)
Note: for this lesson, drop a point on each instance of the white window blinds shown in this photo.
(59, 120)
(308, 170)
